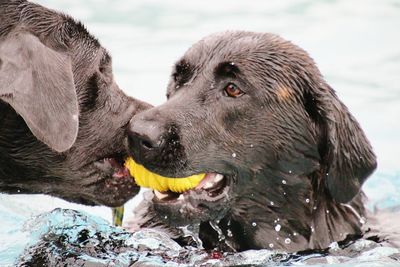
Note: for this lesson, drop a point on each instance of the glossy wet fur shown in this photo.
(291, 149)
(72, 60)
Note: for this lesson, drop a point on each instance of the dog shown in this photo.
(62, 116)
(285, 159)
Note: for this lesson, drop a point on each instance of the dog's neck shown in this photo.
(288, 219)
(14, 173)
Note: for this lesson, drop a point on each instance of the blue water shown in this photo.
(356, 44)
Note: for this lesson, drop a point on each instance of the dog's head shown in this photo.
(64, 117)
(254, 108)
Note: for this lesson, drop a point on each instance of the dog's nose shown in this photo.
(154, 142)
(145, 135)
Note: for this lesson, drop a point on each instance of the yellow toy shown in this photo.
(146, 178)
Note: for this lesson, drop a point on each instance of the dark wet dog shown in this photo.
(285, 158)
(62, 116)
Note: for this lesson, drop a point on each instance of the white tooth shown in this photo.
(218, 178)
(208, 185)
(160, 195)
(181, 197)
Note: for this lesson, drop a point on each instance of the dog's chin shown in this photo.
(111, 183)
(210, 200)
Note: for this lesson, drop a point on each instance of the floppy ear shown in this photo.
(346, 152)
(38, 83)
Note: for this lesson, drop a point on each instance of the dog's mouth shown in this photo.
(115, 186)
(211, 188)
(113, 166)
(207, 201)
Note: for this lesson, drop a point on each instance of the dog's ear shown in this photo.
(38, 83)
(346, 153)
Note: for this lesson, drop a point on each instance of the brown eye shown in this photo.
(232, 90)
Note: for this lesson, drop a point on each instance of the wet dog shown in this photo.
(62, 116)
(285, 158)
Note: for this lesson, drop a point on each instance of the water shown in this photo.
(72, 237)
(356, 44)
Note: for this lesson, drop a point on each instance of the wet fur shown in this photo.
(292, 138)
(82, 68)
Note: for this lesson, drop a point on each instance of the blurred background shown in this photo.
(356, 45)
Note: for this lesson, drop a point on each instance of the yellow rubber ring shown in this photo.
(146, 178)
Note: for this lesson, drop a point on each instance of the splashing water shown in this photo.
(75, 238)
(214, 225)
(193, 232)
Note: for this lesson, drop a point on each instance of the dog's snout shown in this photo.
(145, 135)
(154, 141)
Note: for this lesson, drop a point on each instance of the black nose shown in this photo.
(145, 135)
(154, 142)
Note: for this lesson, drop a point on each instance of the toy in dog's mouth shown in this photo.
(205, 187)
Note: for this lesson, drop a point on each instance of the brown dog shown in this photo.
(62, 116)
(285, 158)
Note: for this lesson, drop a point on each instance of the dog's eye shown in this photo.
(232, 90)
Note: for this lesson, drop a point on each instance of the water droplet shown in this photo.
(283, 181)
(315, 207)
(234, 155)
(254, 224)
(290, 171)
(177, 87)
(327, 211)
(19, 191)
(294, 233)
(334, 246)
(312, 229)
(215, 226)
(272, 203)
(251, 145)
(278, 219)
(277, 227)
(232, 63)
(193, 232)
(284, 193)
(229, 233)
(307, 200)
(271, 245)
(288, 241)
(166, 217)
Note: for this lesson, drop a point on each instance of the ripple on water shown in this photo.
(68, 236)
